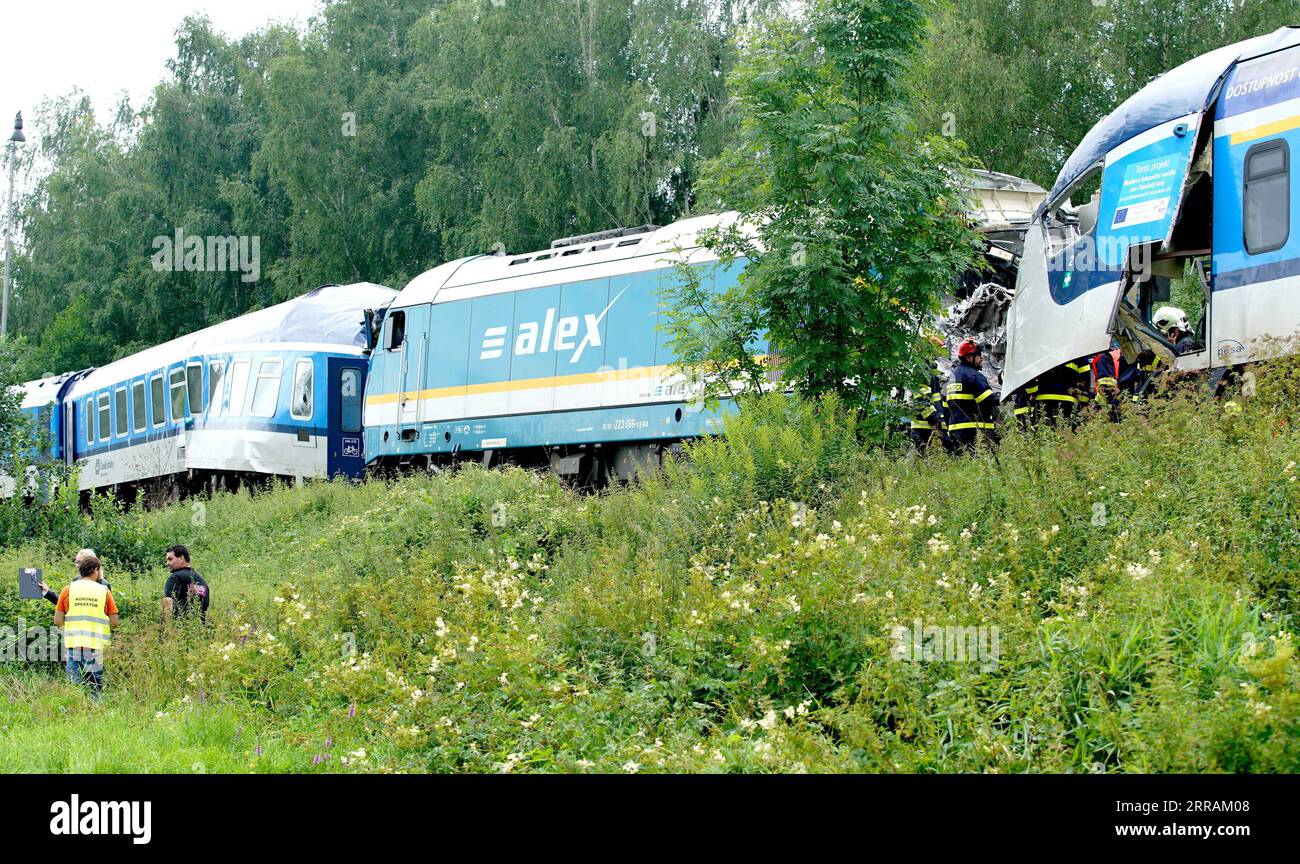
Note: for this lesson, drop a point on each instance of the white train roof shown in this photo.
(1003, 200)
(327, 318)
(590, 259)
(42, 392)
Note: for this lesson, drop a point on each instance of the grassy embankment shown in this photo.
(733, 614)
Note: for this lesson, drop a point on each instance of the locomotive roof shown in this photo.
(329, 317)
(1184, 90)
(493, 274)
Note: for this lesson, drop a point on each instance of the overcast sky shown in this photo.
(105, 47)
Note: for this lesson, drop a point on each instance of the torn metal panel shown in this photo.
(1002, 206)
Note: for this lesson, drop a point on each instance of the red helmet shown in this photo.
(968, 348)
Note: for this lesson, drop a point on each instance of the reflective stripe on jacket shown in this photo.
(1056, 384)
(1105, 370)
(85, 625)
(929, 406)
(1024, 400)
(971, 402)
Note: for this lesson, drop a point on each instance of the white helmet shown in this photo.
(1169, 317)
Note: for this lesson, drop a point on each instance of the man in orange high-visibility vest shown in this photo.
(87, 614)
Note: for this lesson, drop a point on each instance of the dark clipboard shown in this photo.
(28, 589)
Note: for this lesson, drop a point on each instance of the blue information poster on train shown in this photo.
(1146, 195)
(1141, 191)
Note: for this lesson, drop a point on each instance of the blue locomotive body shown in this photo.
(560, 350)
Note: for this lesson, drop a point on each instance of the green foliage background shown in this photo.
(1022, 81)
(479, 124)
(858, 219)
(389, 136)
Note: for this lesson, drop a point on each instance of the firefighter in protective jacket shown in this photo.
(972, 403)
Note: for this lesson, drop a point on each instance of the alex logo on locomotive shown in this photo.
(555, 335)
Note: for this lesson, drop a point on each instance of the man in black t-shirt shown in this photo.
(185, 591)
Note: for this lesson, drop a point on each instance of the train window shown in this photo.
(238, 386)
(103, 416)
(194, 384)
(396, 325)
(216, 371)
(157, 395)
(303, 400)
(1266, 197)
(138, 419)
(90, 423)
(350, 399)
(119, 412)
(266, 392)
(176, 387)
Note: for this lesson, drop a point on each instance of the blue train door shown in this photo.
(347, 380)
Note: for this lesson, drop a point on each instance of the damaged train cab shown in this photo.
(1190, 191)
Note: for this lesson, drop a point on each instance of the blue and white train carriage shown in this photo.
(39, 404)
(277, 392)
(554, 356)
(1196, 184)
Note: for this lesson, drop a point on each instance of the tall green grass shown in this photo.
(734, 612)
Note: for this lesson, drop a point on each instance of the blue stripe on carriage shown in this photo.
(173, 431)
(1255, 275)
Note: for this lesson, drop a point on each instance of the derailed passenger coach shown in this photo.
(274, 393)
(38, 405)
(555, 357)
(1194, 190)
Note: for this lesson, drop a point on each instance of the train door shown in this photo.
(1175, 271)
(414, 354)
(346, 455)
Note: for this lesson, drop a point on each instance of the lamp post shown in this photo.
(14, 140)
